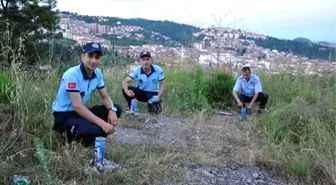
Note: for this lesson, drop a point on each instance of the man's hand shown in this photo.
(250, 106)
(130, 93)
(112, 118)
(240, 104)
(108, 128)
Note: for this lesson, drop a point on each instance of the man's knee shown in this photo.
(264, 96)
(102, 112)
(80, 129)
(129, 88)
(119, 110)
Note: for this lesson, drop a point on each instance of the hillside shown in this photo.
(299, 47)
(125, 32)
(180, 33)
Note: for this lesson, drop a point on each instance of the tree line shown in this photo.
(306, 49)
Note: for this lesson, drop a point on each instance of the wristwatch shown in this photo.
(114, 109)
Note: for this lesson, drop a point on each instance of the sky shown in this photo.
(312, 19)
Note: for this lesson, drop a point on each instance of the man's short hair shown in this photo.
(246, 69)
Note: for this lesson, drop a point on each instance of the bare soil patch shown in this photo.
(216, 151)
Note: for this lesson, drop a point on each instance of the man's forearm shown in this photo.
(108, 103)
(235, 95)
(125, 85)
(162, 89)
(254, 98)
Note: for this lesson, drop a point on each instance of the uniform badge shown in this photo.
(95, 45)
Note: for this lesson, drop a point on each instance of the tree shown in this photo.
(26, 26)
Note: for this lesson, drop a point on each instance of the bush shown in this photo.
(194, 90)
(6, 88)
(218, 89)
(185, 90)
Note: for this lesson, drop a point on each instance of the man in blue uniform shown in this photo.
(248, 88)
(77, 85)
(150, 83)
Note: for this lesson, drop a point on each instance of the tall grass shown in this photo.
(299, 132)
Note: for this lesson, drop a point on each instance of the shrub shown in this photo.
(194, 90)
(218, 89)
(185, 90)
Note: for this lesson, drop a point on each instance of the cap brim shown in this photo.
(95, 50)
(145, 56)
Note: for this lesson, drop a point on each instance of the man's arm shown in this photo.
(162, 87)
(162, 81)
(83, 111)
(107, 101)
(235, 95)
(236, 89)
(125, 83)
(254, 98)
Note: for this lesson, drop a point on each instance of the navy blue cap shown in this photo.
(145, 54)
(92, 47)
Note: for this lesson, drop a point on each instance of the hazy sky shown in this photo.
(313, 19)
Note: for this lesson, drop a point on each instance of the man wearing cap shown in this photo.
(77, 85)
(150, 83)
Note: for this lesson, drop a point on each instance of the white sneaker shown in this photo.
(109, 166)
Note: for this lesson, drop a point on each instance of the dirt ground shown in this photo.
(221, 150)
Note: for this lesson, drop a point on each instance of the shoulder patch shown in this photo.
(72, 85)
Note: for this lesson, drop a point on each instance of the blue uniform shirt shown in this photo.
(248, 88)
(148, 82)
(75, 79)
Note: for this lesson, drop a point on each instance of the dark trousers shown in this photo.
(77, 128)
(262, 98)
(144, 96)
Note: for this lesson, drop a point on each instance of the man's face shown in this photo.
(145, 62)
(246, 74)
(91, 60)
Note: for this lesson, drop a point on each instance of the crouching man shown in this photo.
(77, 85)
(150, 84)
(248, 88)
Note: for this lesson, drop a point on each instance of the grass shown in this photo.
(297, 135)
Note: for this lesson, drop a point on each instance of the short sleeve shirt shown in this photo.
(148, 82)
(75, 79)
(248, 88)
